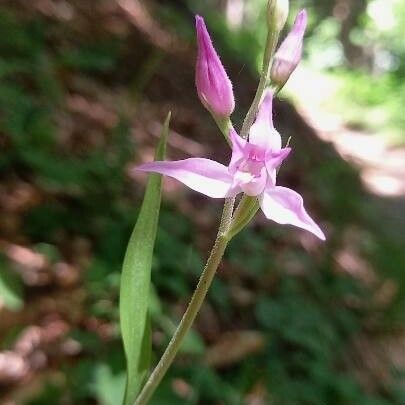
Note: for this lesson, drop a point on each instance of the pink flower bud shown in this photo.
(213, 85)
(289, 53)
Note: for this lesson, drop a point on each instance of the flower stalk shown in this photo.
(225, 126)
(194, 306)
(271, 43)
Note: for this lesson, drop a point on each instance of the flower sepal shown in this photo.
(244, 213)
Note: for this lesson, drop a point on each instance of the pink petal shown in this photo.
(300, 23)
(249, 184)
(238, 150)
(265, 112)
(285, 206)
(203, 175)
(274, 159)
(262, 133)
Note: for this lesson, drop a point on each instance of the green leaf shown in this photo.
(11, 290)
(135, 282)
(108, 386)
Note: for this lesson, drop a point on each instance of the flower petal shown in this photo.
(286, 206)
(238, 150)
(274, 159)
(203, 175)
(262, 133)
(251, 185)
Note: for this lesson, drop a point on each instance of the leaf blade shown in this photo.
(135, 281)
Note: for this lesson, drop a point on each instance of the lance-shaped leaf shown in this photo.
(135, 282)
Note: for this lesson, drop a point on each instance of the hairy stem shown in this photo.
(225, 126)
(271, 43)
(194, 306)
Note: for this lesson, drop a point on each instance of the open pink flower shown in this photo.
(252, 170)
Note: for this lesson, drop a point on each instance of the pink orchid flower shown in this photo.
(252, 170)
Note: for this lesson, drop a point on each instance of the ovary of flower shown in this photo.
(252, 170)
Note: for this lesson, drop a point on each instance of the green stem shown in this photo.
(194, 306)
(224, 125)
(271, 42)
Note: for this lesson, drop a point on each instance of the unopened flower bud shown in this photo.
(277, 13)
(213, 85)
(289, 53)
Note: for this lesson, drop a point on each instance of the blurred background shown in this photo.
(84, 88)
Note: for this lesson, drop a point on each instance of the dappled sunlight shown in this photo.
(60, 9)
(36, 269)
(140, 16)
(178, 141)
(235, 13)
(351, 260)
(384, 184)
(234, 347)
(381, 165)
(92, 110)
(35, 348)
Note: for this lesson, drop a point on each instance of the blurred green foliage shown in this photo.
(307, 320)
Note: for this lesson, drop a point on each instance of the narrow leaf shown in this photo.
(135, 282)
